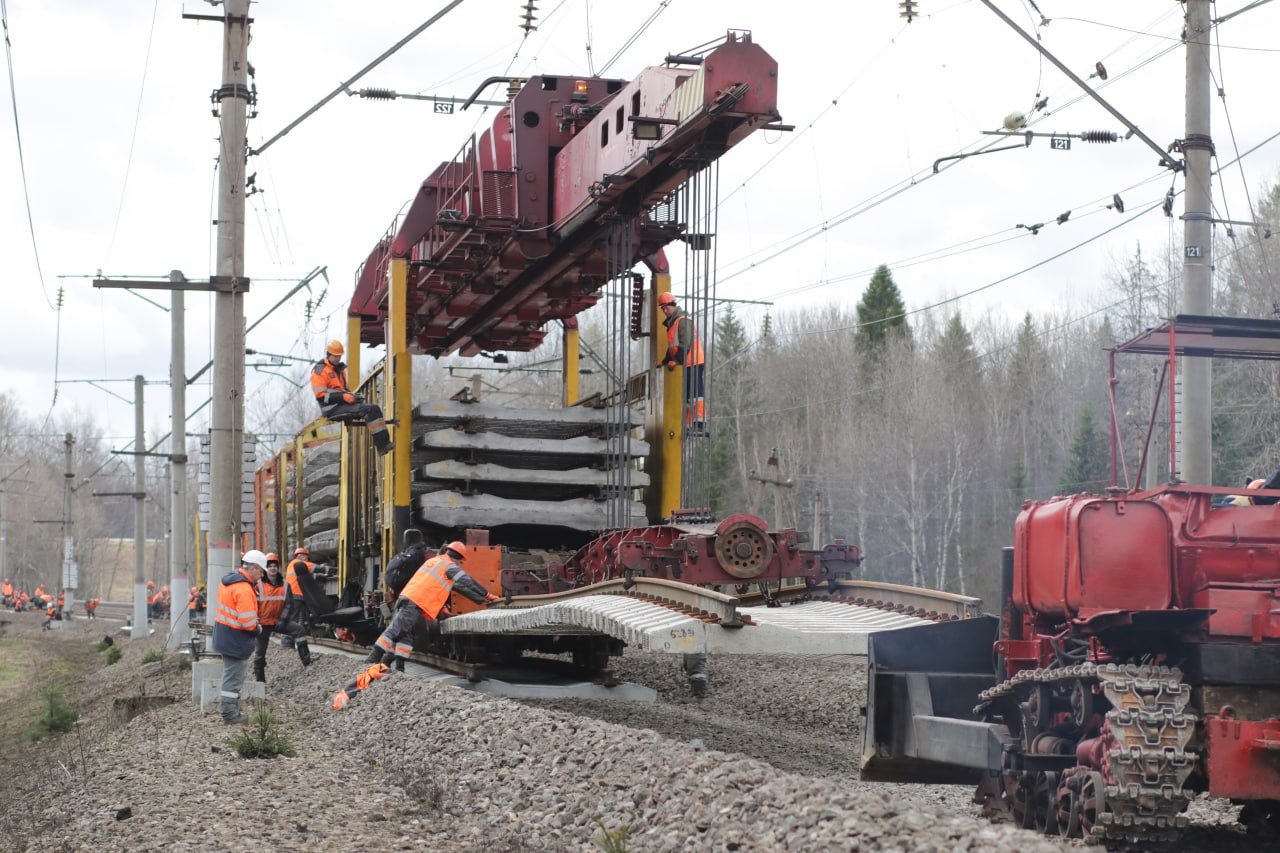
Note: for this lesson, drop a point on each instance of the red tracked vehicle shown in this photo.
(1136, 661)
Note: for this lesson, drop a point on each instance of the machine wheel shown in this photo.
(1081, 704)
(1068, 807)
(1044, 803)
(743, 549)
(1093, 805)
(1017, 794)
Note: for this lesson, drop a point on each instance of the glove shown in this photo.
(491, 599)
(348, 398)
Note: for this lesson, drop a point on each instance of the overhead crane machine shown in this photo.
(576, 183)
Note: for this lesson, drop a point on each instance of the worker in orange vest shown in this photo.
(91, 607)
(295, 605)
(422, 599)
(270, 606)
(684, 348)
(50, 615)
(196, 602)
(6, 592)
(235, 630)
(337, 403)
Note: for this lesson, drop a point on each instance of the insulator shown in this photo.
(378, 94)
(1098, 136)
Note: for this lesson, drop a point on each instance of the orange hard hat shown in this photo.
(301, 552)
(273, 557)
(458, 549)
(151, 583)
(335, 348)
(666, 299)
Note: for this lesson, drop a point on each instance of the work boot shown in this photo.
(260, 672)
(235, 719)
(399, 665)
(374, 656)
(304, 654)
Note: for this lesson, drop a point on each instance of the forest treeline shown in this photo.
(919, 435)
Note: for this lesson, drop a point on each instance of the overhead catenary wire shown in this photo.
(133, 136)
(22, 162)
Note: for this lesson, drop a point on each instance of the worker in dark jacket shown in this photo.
(236, 629)
(295, 604)
(404, 564)
(337, 403)
(422, 599)
(270, 606)
(684, 348)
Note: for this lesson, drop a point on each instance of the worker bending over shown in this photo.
(295, 605)
(422, 599)
(337, 403)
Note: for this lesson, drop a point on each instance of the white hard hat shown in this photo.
(255, 558)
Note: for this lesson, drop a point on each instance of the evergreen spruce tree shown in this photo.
(731, 361)
(881, 315)
(1088, 461)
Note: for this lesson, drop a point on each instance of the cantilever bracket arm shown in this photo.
(1025, 144)
(1165, 159)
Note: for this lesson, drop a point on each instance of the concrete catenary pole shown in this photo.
(227, 431)
(1196, 432)
(140, 627)
(179, 632)
(69, 580)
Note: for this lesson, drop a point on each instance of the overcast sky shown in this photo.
(119, 143)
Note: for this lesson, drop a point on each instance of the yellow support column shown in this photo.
(345, 496)
(353, 352)
(671, 409)
(396, 495)
(570, 362)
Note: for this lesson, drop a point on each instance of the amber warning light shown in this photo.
(580, 91)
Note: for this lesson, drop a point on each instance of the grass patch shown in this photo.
(612, 840)
(56, 715)
(102, 645)
(184, 663)
(426, 787)
(12, 654)
(114, 654)
(153, 656)
(263, 738)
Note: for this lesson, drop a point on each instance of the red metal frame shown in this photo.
(507, 236)
(693, 555)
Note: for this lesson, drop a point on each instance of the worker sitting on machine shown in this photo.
(422, 599)
(337, 403)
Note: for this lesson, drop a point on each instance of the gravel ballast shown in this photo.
(767, 762)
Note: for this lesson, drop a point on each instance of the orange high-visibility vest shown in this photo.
(430, 586)
(291, 575)
(6, 590)
(694, 355)
(271, 602)
(325, 378)
(238, 605)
